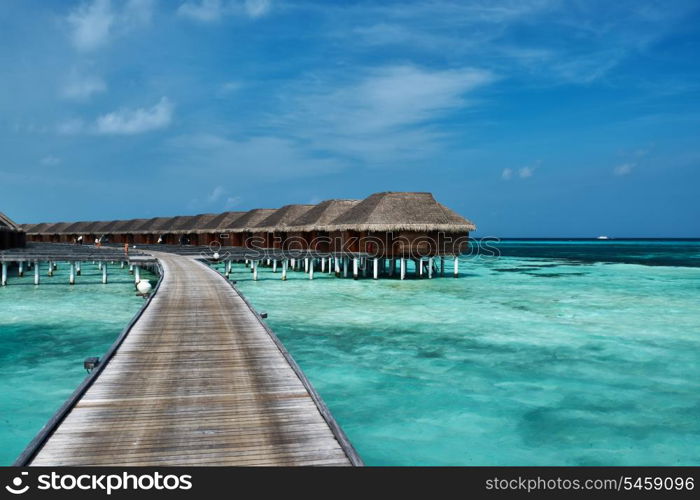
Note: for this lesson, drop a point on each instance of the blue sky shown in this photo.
(531, 117)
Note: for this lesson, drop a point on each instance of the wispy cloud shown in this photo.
(93, 24)
(386, 111)
(81, 87)
(135, 121)
(50, 161)
(208, 11)
(522, 173)
(623, 169)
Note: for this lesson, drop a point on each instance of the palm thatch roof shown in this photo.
(55, 228)
(8, 224)
(321, 215)
(77, 227)
(249, 220)
(400, 212)
(37, 228)
(280, 220)
(220, 221)
(154, 224)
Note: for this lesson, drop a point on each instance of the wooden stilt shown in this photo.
(20, 269)
(456, 267)
(355, 263)
(392, 267)
(442, 266)
(403, 268)
(104, 273)
(336, 261)
(78, 269)
(311, 269)
(345, 267)
(255, 270)
(71, 276)
(50, 271)
(36, 272)
(137, 274)
(430, 268)
(284, 270)
(376, 268)
(274, 266)
(323, 264)
(3, 279)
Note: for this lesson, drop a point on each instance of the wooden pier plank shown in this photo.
(197, 381)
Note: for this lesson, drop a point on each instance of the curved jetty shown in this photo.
(198, 380)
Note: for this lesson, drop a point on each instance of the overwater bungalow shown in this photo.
(242, 229)
(11, 235)
(272, 231)
(214, 228)
(309, 231)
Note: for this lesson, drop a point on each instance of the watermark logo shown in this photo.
(16, 488)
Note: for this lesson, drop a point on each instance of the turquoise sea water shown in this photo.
(45, 334)
(578, 353)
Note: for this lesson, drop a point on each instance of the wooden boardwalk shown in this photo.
(197, 381)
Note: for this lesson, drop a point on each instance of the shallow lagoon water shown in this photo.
(537, 360)
(45, 334)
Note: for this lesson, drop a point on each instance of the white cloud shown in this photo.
(507, 174)
(208, 11)
(623, 169)
(216, 194)
(91, 24)
(257, 8)
(71, 126)
(231, 202)
(82, 87)
(389, 112)
(204, 11)
(50, 161)
(135, 121)
(526, 172)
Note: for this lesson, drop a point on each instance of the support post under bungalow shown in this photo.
(78, 270)
(131, 269)
(306, 264)
(442, 266)
(456, 266)
(375, 263)
(255, 270)
(104, 273)
(292, 263)
(50, 270)
(345, 267)
(20, 269)
(323, 264)
(137, 274)
(337, 266)
(71, 274)
(419, 267)
(430, 268)
(3, 279)
(403, 268)
(330, 265)
(355, 262)
(36, 272)
(311, 269)
(274, 266)
(284, 270)
(392, 267)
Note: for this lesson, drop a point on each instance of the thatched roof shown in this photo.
(321, 215)
(400, 212)
(37, 228)
(220, 221)
(55, 228)
(8, 224)
(154, 224)
(250, 219)
(281, 219)
(77, 227)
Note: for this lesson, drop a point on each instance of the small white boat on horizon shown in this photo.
(603, 238)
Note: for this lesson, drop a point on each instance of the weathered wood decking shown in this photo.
(197, 381)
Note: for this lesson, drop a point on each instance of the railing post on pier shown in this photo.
(284, 270)
(3, 280)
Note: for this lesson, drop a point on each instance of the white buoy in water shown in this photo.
(143, 286)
